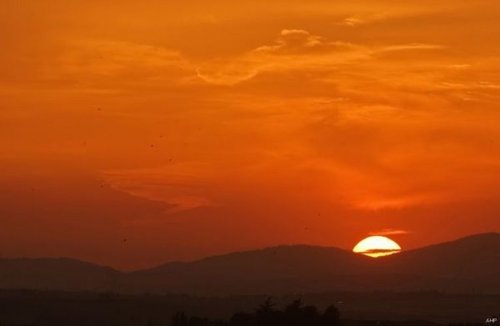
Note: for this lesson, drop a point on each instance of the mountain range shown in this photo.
(466, 265)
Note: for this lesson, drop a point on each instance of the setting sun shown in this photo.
(377, 246)
(166, 162)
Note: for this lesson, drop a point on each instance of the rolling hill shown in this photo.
(467, 265)
(55, 274)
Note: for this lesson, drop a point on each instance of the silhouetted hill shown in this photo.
(474, 256)
(468, 265)
(279, 269)
(55, 274)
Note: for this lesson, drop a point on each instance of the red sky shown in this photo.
(135, 133)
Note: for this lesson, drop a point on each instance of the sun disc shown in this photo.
(377, 246)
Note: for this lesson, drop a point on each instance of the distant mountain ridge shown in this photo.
(467, 265)
(55, 274)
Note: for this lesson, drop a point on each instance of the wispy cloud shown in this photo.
(181, 186)
(297, 49)
(362, 19)
(390, 232)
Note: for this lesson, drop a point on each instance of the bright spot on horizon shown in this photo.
(377, 246)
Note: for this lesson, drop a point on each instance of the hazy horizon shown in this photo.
(248, 250)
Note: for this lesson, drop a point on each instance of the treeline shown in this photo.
(293, 314)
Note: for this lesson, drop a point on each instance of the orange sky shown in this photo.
(196, 127)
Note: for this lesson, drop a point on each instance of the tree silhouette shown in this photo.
(293, 314)
(179, 319)
(331, 316)
(242, 319)
(266, 308)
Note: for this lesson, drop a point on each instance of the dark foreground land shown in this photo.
(363, 309)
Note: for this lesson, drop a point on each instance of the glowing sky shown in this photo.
(138, 132)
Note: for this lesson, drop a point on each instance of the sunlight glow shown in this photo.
(377, 246)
